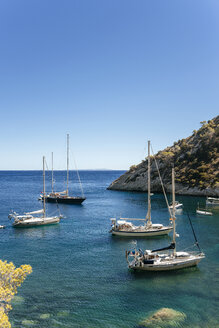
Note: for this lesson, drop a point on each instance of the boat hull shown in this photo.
(36, 223)
(212, 204)
(65, 200)
(169, 267)
(150, 233)
(199, 212)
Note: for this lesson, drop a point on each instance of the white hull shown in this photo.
(171, 265)
(212, 201)
(147, 233)
(33, 222)
(177, 207)
(203, 212)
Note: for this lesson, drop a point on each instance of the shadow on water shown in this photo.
(181, 282)
(186, 273)
(131, 238)
(36, 232)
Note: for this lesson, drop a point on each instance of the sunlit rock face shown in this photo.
(196, 163)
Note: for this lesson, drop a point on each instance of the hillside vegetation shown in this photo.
(196, 162)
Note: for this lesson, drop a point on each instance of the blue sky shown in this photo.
(111, 73)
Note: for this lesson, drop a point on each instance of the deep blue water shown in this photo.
(80, 276)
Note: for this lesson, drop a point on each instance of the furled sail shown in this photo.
(171, 246)
(35, 212)
(61, 192)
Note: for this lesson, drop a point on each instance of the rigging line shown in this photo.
(190, 221)
(79, 179)
(54, 185)
(196, 240)
(189, 247)
(162, 185)
(58, 208)
(53, 213)
(46, 165)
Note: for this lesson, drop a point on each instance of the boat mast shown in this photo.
(173, 211)
(67, 163)
(52, 172)
(148, 217)
(44, 189)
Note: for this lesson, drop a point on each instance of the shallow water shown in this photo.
(80, 276)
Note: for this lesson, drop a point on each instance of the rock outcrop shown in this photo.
(163, 318)
(196, 162)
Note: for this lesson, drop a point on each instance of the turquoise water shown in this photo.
(80, 276)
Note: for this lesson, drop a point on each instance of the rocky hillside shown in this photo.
(196, 162)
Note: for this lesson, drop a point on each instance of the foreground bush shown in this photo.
(10, 279)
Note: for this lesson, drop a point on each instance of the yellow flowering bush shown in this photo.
(10, 279)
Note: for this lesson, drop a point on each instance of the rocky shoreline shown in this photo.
(196, 162)
(128, 182)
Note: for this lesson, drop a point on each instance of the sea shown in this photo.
(80, 276)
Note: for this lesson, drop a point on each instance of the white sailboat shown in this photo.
(34, 218)
(124, 228)
(153, 260)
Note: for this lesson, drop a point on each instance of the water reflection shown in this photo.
(37, 232)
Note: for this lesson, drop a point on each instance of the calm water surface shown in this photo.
(80, 276)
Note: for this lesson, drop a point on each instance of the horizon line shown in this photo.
(9, 170)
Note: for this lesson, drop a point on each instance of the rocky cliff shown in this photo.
(196, 162)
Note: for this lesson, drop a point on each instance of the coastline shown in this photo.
(137, 181)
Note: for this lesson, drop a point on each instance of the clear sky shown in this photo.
(111, 73)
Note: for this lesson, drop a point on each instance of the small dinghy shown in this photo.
(212, 201)
(178, 205)
(203, 211)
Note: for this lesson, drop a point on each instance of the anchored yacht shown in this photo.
(157, 260)
(63, 196)
(34, 218)
(124, 228)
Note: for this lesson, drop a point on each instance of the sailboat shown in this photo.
(34, 218)
(63, 196)
(124, 228)
(153, 260)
